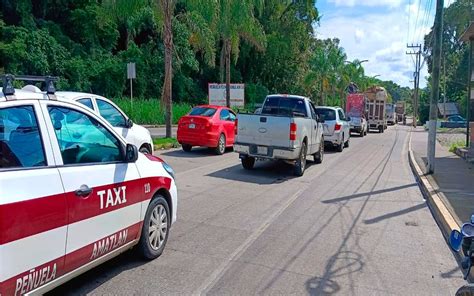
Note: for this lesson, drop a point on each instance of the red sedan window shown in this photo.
(203, 111)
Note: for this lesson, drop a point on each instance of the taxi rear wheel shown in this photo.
(155, 229)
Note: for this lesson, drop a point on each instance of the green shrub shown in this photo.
(456, 145)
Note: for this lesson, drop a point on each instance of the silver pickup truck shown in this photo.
(286, 128)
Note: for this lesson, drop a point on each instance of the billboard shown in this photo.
(217, 92)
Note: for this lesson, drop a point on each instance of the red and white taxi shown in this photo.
(73, 193)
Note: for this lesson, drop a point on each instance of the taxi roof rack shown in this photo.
(9, 89)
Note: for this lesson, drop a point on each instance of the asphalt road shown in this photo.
(356, 224)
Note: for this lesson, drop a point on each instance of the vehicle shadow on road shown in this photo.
(194, 153)
(264, 173)
(94, 278)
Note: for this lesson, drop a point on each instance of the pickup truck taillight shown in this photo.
(236, 126)
(293, 131)
(337, 127)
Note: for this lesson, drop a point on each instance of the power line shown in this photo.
(408, 27)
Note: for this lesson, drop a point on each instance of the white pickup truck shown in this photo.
(286, 128)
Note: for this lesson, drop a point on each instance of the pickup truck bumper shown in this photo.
(271, 152)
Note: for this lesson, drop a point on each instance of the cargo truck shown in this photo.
(376, 100)
(390, 112)
(400, 111)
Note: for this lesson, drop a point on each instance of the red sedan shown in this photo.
(208, 126)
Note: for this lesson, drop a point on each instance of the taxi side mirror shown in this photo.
(131, 153)
(129, 123)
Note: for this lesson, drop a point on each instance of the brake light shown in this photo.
(236, 126)
(293, 131)
(337, 127)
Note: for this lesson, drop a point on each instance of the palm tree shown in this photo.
(167, 9)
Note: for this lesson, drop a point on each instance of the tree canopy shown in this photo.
(272, 43)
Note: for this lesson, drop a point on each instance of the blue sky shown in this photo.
(379, 30)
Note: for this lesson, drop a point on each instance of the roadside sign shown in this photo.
(131, 73)
(217, 93)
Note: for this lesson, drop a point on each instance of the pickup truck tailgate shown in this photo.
(263, 130)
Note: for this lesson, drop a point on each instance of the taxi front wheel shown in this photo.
(155, 229)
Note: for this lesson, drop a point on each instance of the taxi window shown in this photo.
(20, 140)
(111, 114)
(82, 139)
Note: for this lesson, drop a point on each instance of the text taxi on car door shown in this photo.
(73, 193)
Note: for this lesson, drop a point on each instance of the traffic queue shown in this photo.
(80, 184)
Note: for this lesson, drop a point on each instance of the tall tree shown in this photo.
(236, 20)
(167, 7)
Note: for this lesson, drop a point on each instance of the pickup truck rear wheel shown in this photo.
(318, 156)
(248, 162)
(300, 164)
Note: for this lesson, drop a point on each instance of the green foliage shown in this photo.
(459, 144)
(88, 44)
(455, 54)
(165, 143)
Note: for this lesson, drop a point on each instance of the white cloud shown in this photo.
(379, 37)
(371, 3)
(359, 35)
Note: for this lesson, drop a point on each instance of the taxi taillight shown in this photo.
(292, 131)
(236, 126)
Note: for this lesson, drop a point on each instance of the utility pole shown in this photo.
(444, 87)
(438, 39)
(416, 50)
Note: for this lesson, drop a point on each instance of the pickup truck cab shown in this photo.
(287, 128)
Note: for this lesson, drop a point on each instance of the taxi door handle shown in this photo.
(83, 191)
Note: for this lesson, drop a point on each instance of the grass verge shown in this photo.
(456, 145)
(165, 143)
(150, 111)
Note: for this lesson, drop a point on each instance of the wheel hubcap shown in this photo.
(158, 229)
(221, 144)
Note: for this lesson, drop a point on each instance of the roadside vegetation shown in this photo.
(150, 111)
(454, 67)
(270, 46)
(458, 144)
(165, 143)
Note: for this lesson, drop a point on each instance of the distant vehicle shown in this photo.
(377, 98)
(287, 128)
(454, 121)
(463, 241)
(390, 113)
(400, 112)
(457, 118)
(207, 126)
(73, 192)
(134, 134)
(356, 109)
(336, 127)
